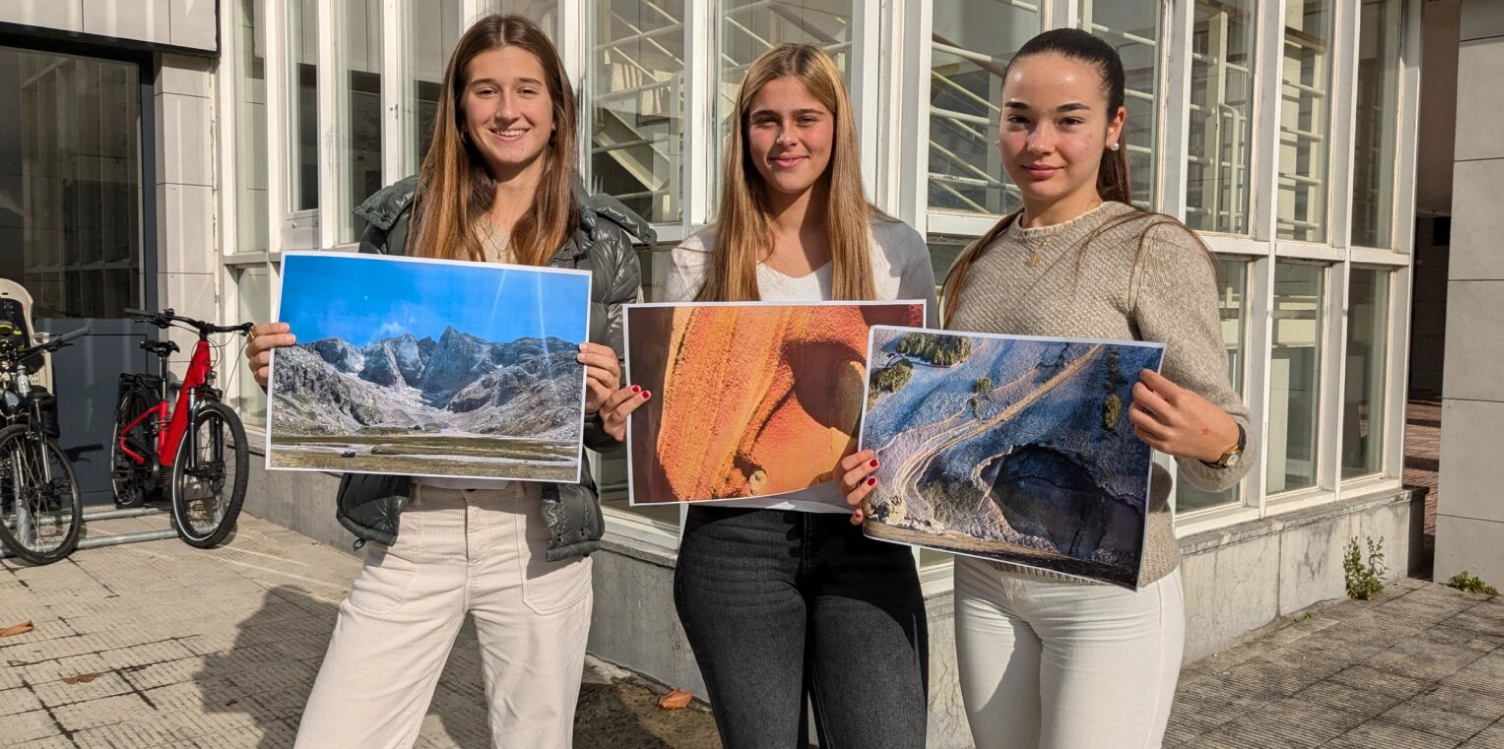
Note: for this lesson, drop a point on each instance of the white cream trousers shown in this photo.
(479, 552)
(1053, 664)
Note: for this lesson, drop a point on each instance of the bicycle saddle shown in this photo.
(160, 348)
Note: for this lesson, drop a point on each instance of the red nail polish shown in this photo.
(646, 395)
(636, 389)
(873, 464)
(872, 481)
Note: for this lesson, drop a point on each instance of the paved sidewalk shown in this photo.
(158, 644)
(162, 645)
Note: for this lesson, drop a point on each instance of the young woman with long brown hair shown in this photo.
(497, 185)
(1048, 661)
(780, 597)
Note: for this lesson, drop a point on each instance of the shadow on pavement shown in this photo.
(269, 671)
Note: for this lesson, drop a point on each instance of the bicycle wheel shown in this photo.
(130, 480)
(41, 508)
(209, 476)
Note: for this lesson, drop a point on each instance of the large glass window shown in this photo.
(637, 128)
(1133, 27)
(250, 127)
(361, 140)
(70, 185)
(972, 42)
(1305, 120)
(1295, 376)
(545, 13)
(752, 27)
(303, 107)
(1232, 300)
(1379, 39)
(1221, 127)
(1367, 366)
(433, 30)
(253, 285)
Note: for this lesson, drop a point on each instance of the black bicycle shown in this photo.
(196, 448)
(41, 508)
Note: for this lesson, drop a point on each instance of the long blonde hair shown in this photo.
(455, 188)
(744, 229)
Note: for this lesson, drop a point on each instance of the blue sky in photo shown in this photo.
(361, 298)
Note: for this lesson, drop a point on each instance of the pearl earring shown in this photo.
(1113, 146)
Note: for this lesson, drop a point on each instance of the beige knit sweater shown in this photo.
(1168, 294)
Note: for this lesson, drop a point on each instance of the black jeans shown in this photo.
(779, 604)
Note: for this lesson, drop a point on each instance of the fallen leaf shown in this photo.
(80, 679)
(675, 700)
(17, 629)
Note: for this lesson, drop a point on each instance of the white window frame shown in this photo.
(892, 54)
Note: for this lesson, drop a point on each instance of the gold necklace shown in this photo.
(1036, 252)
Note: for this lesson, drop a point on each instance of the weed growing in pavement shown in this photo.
(1472, 584)
(1364, 581)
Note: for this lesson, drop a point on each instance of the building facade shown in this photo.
(1285, 131)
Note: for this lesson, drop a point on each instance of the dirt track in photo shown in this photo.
(749, 400)
(495, 457)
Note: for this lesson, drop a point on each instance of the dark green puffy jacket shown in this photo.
(369, 505)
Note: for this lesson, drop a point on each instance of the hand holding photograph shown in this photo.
(429, 368)
(751, 399)
(1012, 448)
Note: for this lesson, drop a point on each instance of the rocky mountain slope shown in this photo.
(529, 387)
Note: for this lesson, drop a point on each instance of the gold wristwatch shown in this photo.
(1233, 454)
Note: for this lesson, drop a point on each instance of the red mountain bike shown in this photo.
(202, 447)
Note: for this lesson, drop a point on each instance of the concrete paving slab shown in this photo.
(219, 648)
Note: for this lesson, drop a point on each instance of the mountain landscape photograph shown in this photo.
(1016, 449)
(429, 368)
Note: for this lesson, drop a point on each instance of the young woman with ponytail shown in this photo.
(1047, 661)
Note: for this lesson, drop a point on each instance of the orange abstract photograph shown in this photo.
(749, 399)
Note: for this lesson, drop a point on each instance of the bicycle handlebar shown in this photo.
(167, 317)
(51, 345)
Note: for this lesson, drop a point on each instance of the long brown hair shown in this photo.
(744, 231)
(1112, 173)
(455, 188)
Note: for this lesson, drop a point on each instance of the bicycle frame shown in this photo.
(199, 368)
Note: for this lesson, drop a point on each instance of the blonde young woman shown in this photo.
(782, 597)
(498, 185)
(1046, 661)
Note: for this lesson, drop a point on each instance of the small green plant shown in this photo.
(1472, 584)
(1364, 580)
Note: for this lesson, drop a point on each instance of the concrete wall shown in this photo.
(188, 269)
(1433, 192)
(1438, 101)
(189, 24)
(1470, 514)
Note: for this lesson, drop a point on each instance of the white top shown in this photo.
(901, 270)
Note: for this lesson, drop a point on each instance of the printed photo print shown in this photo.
(749, 399)
(1016, 449)
(429, 368)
